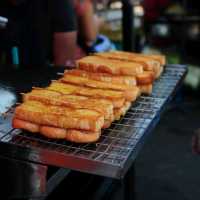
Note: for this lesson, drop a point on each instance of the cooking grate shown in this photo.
(118, 146)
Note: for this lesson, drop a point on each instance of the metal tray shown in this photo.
(118, 146)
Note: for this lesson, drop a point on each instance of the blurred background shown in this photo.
(170, 27)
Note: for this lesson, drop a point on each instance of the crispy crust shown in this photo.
(149, 62)
(129, 93)
(53, 132)
(84, 81)
(131, 55)
(85, 100)
(117, 67)
(18, 123)
(116, 97)
(119, 112)
(55, 98)
(145, 78)
(61, 117)
(78, 136)
(105, 77)
(146, 89)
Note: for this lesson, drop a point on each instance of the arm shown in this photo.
(64, 47)
(64, 32)
(88, 22)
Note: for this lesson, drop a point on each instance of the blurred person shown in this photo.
(65, 32)
(40, 27)
(88, 25)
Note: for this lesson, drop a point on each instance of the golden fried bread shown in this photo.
(118, 112)
(146, 89)
(105, 77)
(147, 77)
(84, 81)
(117, 67)
(22, 124)
(130, 55)
(130, 93)
(49, 97)
(73, 135)
(59, 116)
(87, 99)
(53, 132)
(116, 97)
(148, 63)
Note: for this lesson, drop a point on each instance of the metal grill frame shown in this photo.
(118, 146)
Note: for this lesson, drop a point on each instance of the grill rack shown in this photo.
(113, 153)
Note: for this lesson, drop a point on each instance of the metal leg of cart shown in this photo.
(128, 184)
(28, 180)
(123, 189)
(22, 178)
(53, 182)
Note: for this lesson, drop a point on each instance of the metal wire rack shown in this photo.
(118, 146)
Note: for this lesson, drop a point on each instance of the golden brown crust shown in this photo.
(119, 112)
(71, 135)
(146, 89)
(54, 98)
(78, 136)
(117, 67)
(129, 93)
(131, 56)
(53, 132)
(105, 77)
(21, 124)
(116, 97)
(145, 78)
(82, 137)
(85, 100)
(148, 63)
(84, 81)
(62, 117)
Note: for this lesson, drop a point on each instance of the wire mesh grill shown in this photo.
(118, 142)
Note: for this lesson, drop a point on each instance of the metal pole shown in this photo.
(127, 25)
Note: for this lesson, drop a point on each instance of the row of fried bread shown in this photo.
(84, 100)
